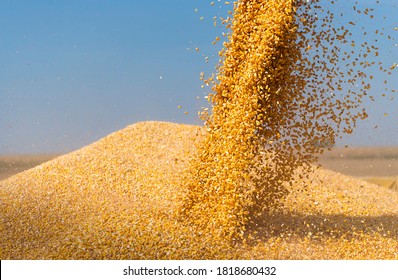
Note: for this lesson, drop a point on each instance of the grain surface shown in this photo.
(117, 199)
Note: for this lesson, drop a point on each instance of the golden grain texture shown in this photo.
(251, 103)
(118, 199)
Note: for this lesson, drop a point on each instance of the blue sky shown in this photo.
(74, 71)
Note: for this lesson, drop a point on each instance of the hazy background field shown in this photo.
(13, 164)
(375, 164)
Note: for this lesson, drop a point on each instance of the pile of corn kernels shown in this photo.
(241, 187)
(119, 198)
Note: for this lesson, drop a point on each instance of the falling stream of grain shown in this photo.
(271, 108)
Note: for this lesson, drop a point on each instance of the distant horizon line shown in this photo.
(59, 153)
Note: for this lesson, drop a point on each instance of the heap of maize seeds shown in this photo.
(145, 192)
(119, 198)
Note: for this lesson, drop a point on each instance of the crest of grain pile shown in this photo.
(274, 106)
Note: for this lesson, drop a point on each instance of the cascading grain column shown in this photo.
(252, 87)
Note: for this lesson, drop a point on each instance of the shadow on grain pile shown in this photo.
(119, 198)
(331, 226)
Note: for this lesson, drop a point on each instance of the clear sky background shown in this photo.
(74, 71)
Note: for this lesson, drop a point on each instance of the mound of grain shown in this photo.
(118, 199)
